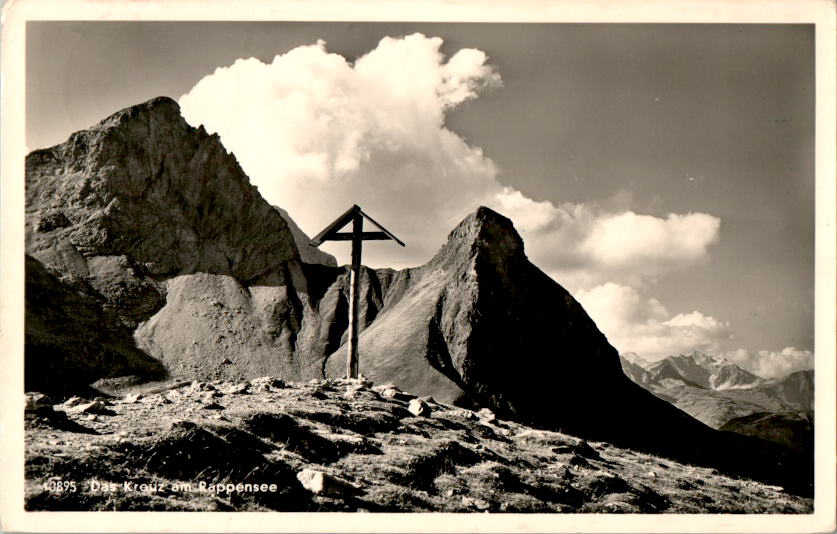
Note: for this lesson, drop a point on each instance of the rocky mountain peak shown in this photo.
(144, 184)
(484, 233)
(157, 117)
(636, 359)
(712, 372)
(161, 108)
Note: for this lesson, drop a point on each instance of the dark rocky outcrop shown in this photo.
(73, 339)
(794, 430)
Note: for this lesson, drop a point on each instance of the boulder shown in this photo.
(95, 407)
(486, 416)
(267, 383)
(321, 483)
(73, 401)
(239, 388)
(37, 402)
(419, 408)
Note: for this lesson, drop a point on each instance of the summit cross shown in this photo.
(357, 236)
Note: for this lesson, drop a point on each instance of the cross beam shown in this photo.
(357, 236)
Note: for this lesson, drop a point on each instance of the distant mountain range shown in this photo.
(715, 390)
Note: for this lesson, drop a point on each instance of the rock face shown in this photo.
(157, 224)
(72, 338)
(714, 390)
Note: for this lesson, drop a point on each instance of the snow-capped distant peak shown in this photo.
(713, 372)
(636, 359)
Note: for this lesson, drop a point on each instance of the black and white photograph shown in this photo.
(420, 268)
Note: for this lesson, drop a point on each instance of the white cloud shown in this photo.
(645, 326)
(584, 245)
(770, 364)
(317, 133)
(625, 238)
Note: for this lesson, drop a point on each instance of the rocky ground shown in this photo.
(340, 445)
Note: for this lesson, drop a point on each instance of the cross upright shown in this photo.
(357, 236)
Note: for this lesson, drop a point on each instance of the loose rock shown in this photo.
(419, 408)
(94, 407)
(132, 398)
(72, 401)
(36, 402)
(479, 504)
(465, 414)
(390, 391)
(267, 383)
(486, 415)
(322, 483)
(240, 388)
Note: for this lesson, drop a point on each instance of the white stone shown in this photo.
(486, 415)
(419, 408)
(322, 483)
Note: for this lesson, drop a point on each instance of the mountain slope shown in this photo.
(794, 430)
(144, 184)
(366, 449)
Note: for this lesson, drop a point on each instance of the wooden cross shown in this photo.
(357, 236)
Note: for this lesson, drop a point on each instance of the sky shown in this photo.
(663, 174)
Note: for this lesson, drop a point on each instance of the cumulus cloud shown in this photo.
(584, 245)
(771, 364)
(634, 324)
(317, 133)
